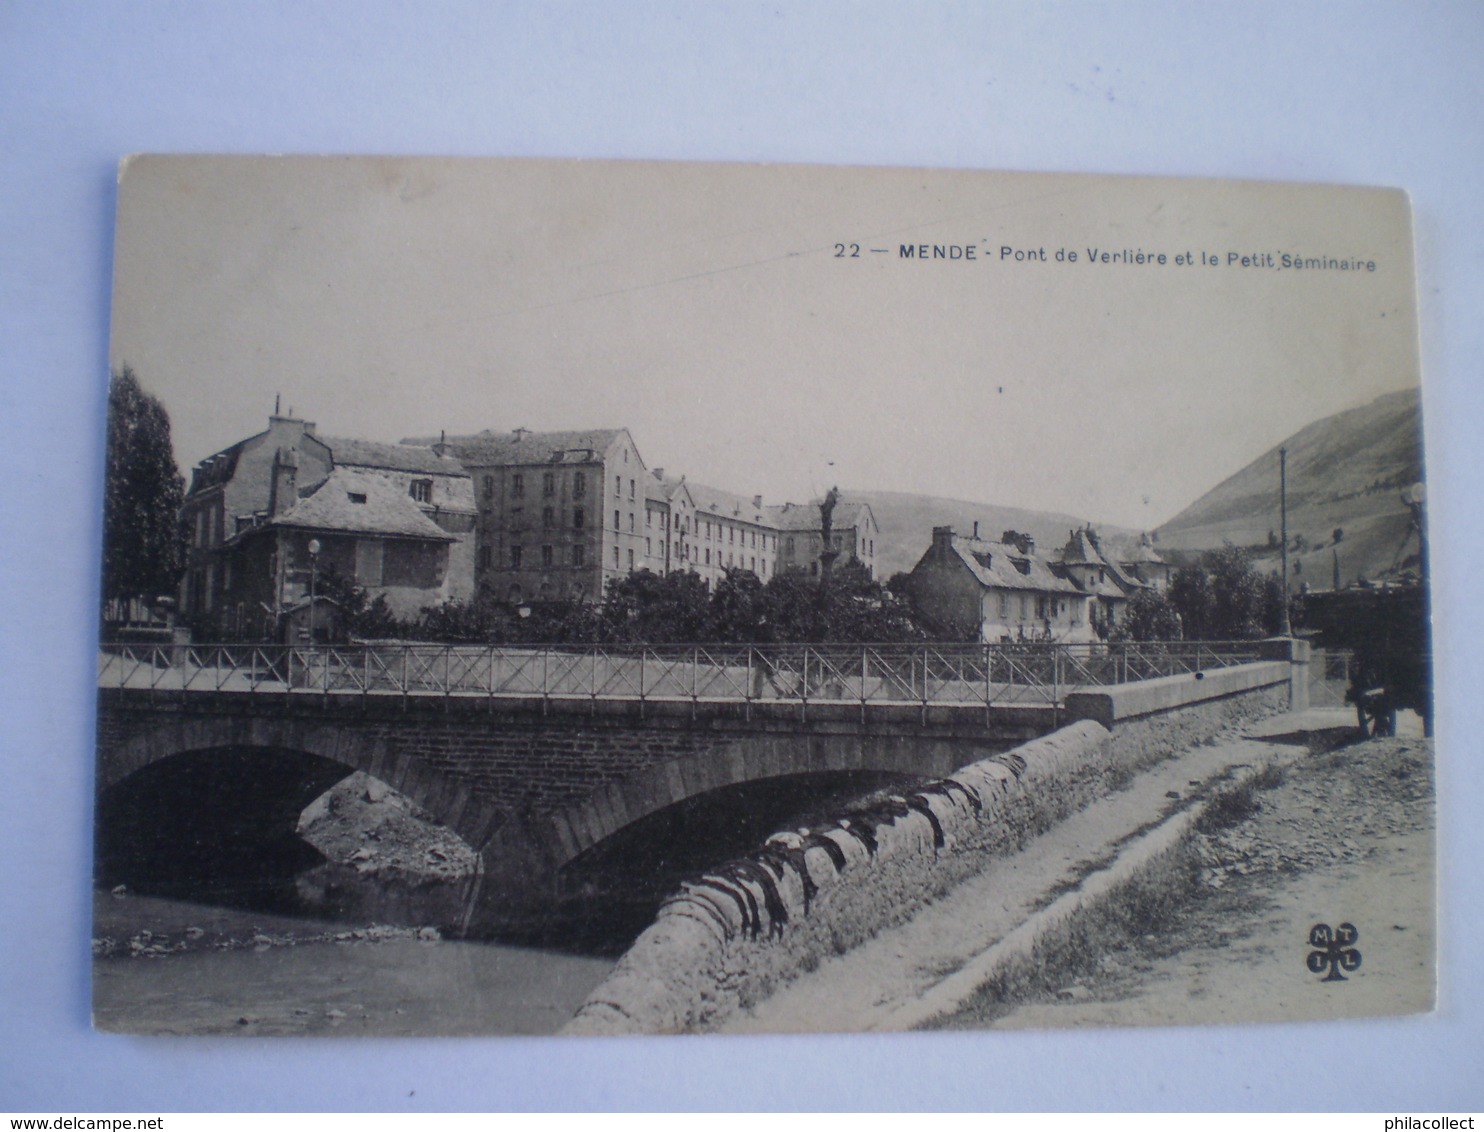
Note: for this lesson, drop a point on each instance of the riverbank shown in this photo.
(1003, 931)
(1348, 836)
(172, 967)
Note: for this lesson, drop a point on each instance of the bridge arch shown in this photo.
(739, 761)
(443, 795)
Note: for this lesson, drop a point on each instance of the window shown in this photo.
(517, 518)
(515, 558)
(579, 556)
(618, 485)
(355, 496)
(615, 558)
(788, 545)
(708, 556)
(548, 556)
(631, 562)
(631, 522)
(631, 489)
(517, 485)
(489, 486)
(1004, 607)
(548, 518)
(617, 521)
(648, 517)
(578, 518)
(421, 491)
(579, 485)
(731, 534)
(648, 550)
(754, 540)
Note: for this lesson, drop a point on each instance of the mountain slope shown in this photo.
(1346, 471)
(907, 523)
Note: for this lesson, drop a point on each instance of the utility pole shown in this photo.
(1284, 628)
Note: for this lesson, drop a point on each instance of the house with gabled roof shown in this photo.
(1105, 581)
(244, 568)
(969, 587)
(1145, 563)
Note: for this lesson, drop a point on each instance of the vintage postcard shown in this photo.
(623, 597)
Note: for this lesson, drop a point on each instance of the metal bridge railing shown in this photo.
(903, 674)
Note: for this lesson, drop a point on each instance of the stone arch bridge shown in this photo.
(533, 781)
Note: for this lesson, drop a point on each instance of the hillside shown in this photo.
(907, 523)
(1346, 471)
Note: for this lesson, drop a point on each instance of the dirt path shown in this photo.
(1347, 837)
(865, 987)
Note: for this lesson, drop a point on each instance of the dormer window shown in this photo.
(356, 496)
(421, 491)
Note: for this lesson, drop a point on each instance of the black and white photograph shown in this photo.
(634, 598)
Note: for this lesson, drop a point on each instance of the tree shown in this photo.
(1150, 616)
(143, 544)
(1224, 598)
(740, 610)
(1190, 594)
(657, 609)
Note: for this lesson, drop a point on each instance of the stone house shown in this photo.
(252, 509)
(997, 591)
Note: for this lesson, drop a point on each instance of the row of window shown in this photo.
(549, 485)
(577, 556)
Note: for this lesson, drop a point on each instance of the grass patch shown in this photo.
(1270, 777)
(1229, 808)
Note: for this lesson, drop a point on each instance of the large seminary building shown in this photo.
(521, 516)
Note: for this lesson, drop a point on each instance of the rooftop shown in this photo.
(360, 503)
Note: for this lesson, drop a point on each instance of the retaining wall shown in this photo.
(727, 938)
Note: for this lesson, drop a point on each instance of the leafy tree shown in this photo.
(654, 608)
(740, 609)
(1238, 593)
(1224, 598)
(1150, 616)
(793, 599)
(1190, 594)
(362, 615)
(143, 544)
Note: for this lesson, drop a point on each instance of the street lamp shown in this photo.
(314, 549)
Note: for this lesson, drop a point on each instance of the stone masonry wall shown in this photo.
(727, 938)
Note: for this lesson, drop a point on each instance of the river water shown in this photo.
(270, 938)
(294, 980)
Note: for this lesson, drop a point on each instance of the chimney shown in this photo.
(757, 501)
(976, 528)
(284, 492)
(942, 540)
(441, 448)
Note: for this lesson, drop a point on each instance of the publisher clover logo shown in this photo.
(1334, 951)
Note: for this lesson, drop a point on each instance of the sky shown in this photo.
(738, 320)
